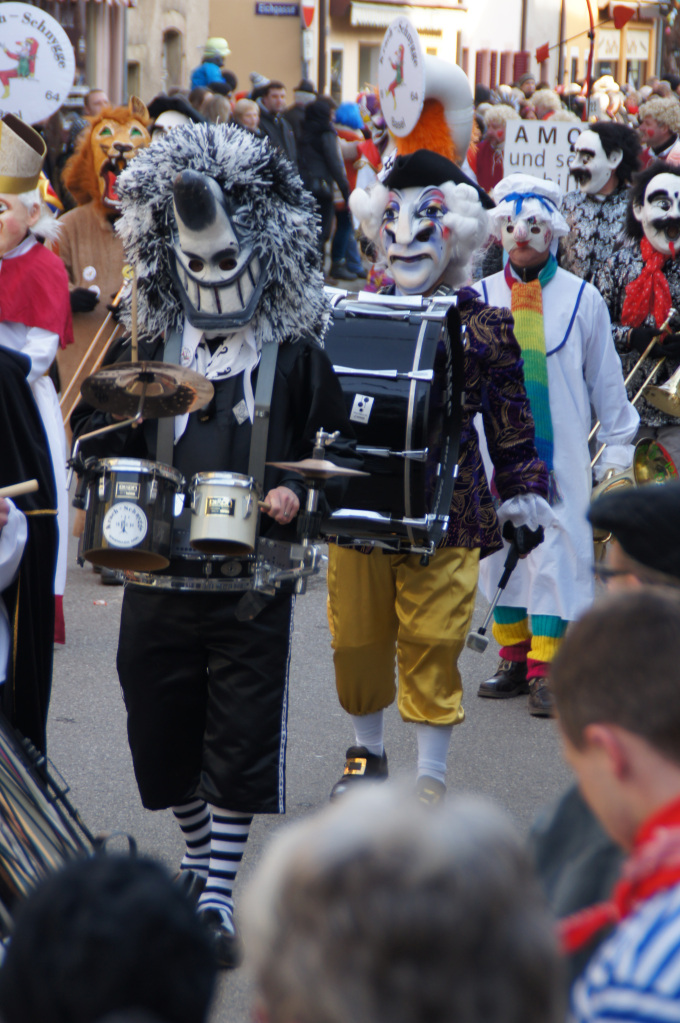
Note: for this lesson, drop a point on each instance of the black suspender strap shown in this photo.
(263, 401)
(165, 443)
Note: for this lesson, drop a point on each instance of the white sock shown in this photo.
(194, 820)
(228, 840)
(368, 729)
(433, 745)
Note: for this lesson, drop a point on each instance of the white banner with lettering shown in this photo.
(37, 63)
(541, 148)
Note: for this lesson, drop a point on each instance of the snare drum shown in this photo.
(224, 513)
(400, 366)
(130, 508)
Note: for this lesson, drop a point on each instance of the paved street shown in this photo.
(499, 750)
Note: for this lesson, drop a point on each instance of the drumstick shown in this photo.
(17, 489)
(134, 350)
(262, 505)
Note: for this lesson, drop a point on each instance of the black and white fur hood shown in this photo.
(270, 205)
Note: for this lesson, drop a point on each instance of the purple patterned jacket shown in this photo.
(494, 386)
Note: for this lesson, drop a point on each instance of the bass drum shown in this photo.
(130, 510)
(401, 370)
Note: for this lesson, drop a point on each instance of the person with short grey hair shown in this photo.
(381, 910)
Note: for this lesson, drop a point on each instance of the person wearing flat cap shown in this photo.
(35, 313)
(570, 364)
(427, 219)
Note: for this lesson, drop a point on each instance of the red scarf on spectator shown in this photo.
(648, 293)
(653, 866)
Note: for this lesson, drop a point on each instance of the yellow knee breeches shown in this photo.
(380, 605)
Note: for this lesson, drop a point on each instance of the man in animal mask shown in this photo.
(570, 364)
(222, 236)
(641, 285)
(606, 155)
(428, 219)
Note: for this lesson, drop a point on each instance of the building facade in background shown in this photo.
(165, 40)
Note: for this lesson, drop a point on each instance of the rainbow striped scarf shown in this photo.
(526, 304)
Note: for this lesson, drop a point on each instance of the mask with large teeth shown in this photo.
(219, 275)
(113, 146)
(659, 213)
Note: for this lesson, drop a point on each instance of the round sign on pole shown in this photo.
(401, 77)
(37, 63)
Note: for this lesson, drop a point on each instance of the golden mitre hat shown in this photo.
(22, 152)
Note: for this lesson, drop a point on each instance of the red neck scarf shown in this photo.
(652, 867)
(648, 293)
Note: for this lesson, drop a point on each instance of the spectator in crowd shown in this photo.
(304, 93)
(216, 109)
(527, 83)
(345, 258)
(95, 101)
(271, 99)
(210, 68)
(546, 103)
(321, 164)
(247, 113)
(103, 935)
(660, 129)
(616, 683)
(379, 910)
(196, 96)
(490, 152)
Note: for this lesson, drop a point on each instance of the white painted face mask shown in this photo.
(660, 213)
(525, 232)
(591, 167)
(416, 242)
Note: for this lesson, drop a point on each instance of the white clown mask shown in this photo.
(219, 275)
(590, 166)
(525, 231)
(659, 213)
(417, 243)
(165, 123)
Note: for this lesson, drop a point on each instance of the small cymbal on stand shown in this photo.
(167, 390)
(317, 468)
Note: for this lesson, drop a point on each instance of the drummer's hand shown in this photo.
(4, 512)
(283, 505)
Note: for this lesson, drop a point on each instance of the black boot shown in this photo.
(360, 766)
(510, 680)
(541, 702)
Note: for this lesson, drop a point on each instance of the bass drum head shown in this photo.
(126, 561)
(227, 548)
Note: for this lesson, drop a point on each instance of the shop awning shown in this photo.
(109, 3)
(364, 14)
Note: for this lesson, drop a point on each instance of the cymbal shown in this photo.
(170, 390)
(317, 468)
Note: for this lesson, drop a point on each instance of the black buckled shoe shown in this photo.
(510, 680)
(190, 884)
(360, 766)
(541, 702)
(430, 791)
(226, 943)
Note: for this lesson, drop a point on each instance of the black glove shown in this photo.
(83, 300)
(640, 337)
(523, 539)
(115, 311)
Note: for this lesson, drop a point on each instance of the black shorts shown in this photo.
(206, 697)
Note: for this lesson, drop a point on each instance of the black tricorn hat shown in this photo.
(423, 168)
(645, 521)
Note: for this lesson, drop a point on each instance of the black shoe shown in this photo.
(541, 702)
(226, 943)
(190, 884)
(510, 680)
(430, 791)
(340, 272)
(360, 766)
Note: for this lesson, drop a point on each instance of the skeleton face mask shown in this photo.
(219, 275)
(417, 243)
(591, 167)
(660, 213)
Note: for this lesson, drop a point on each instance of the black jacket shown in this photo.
(321, 162)
(279, 132)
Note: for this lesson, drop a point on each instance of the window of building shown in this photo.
(606, 67)
(336, 75)
(506, 68)
(520, 64)
(465, 60)
(636, 73)
(574, 69)
(172, 58)
(482, 67)
(493, 70)
(368, 65)
(133, 78)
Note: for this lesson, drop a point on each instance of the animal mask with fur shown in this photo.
(103, 152)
